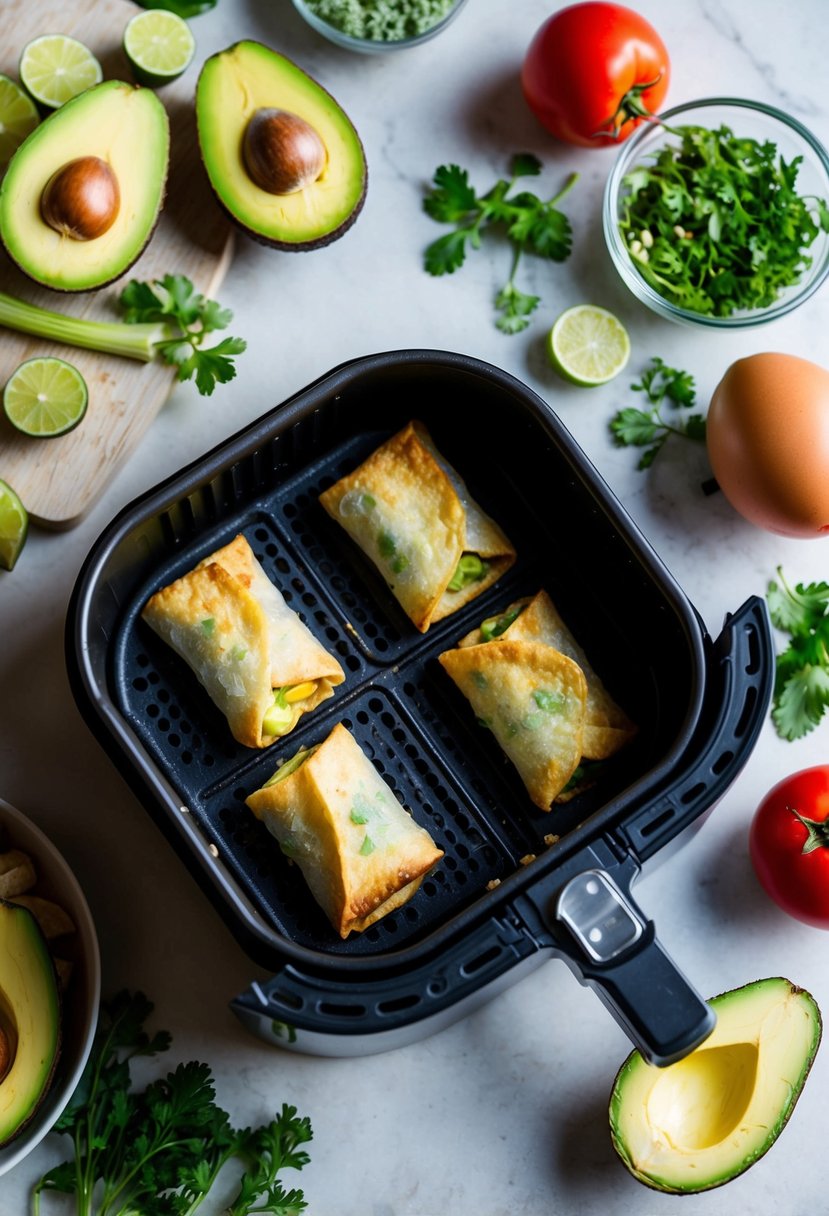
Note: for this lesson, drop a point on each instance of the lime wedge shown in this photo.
(55, 68)
(18, 118)
(588, 345)
(45, 397)
(159, 46)
(14, 524)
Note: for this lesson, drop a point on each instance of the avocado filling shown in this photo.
(291, 766)
(283, 715)
(470, 569)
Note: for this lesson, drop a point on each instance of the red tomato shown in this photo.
(791, 857)
(591, 69)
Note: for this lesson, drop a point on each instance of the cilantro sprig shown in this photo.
(801, 687)
(648, 428)
(530, 224)
(715, 223)
(160, 1150)
(188, 318)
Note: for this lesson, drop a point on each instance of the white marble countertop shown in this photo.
(506, 1111)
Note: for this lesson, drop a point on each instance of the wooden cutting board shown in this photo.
(59, 479)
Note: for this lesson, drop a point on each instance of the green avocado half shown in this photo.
(282, 157)
(83, 192)
(29, 1018)
(700, 1122)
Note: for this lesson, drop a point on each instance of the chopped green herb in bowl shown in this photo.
(718, 213)
(378, 25)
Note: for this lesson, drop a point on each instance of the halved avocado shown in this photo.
(99, 163)
(29, 1018)
(253, 108)
(702, 1121)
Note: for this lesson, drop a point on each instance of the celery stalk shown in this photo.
(111, 337)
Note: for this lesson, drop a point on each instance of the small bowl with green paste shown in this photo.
(716, 213)
(375, 26)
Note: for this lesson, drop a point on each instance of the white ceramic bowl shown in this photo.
(80, 1002)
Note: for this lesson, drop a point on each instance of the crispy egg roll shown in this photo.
(261, 666)
(533, 700)
(412, 515)
(360, 852)
(606, 726)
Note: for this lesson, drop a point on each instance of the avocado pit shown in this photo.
(82, 199)
(282, 152)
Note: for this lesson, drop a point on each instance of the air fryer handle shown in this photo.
(614, 949)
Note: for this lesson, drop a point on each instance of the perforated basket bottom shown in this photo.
(396, 700)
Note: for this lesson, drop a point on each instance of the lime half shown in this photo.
(14, 524)
(54, 68)
(45, 397)
(18, 118)
(588, 345)
(159, 46)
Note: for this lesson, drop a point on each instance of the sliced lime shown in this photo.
(588, 345)
(159, 46)
(18, 118)
(45, 397)
(14, 524)
(55, 68)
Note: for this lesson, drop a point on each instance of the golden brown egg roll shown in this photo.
(606, 726)
(533, 700)
(360, 852)
(261, 666)
(412, 515)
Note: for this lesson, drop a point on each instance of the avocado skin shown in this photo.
(316, 242)
(781, 1115)
(109, 92)
(28, 981)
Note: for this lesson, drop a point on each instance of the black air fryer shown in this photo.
(516, 886)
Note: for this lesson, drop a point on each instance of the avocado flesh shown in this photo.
(702, 1121)
(124, 126)
(29, 1016)
(232, 86)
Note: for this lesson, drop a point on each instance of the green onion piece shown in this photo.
(368, 502)
(358, 816)
(367, 846)
(478, 679)
(494, 626)
(208, 626)
(550, 702)
(386, 544)
(470, 569)
(238, 653)
(290, 766)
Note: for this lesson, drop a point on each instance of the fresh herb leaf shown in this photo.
(188, 318)
(160, 1150)
(632, 427)
(714, 222)
(801, 687)
(530, 224)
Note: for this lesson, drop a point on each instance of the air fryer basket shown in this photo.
(516, 885)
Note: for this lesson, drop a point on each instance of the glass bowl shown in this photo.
(746, 119)
(79, 1003)
(374, 46)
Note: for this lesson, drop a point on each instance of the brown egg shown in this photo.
(768, 442)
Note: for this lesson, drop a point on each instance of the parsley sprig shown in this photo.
(715, 223)
(189, 317)
(801, 688)
(649, 428)
(160, 1150)
(530, 224)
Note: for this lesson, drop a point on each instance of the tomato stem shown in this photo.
(818, 829)
(631, 106)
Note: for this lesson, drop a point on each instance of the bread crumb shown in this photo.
(493, 883)
(551, 838)
(527, 858)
